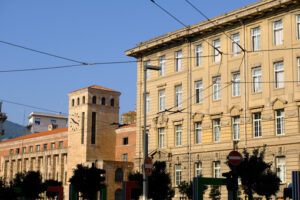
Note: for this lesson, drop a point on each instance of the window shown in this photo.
(198, 169)
(298, 70)
(177, 174)
(217, 169)
(278, 32)
(255, 35)
(83, 99)
(236, 50)
(199, 52)
(94, 100)
(178, 61)
(103, 101)
(112, 102)
(24, 150)
(147, 63)
(178, 130)
(161, 100)
(298, 26)
(61, 144)
(30, 149)
(82, 126)
(73, 102)
(216, 54)
(37, 121)
(11, 151)
(279, 117)
(178, 90)
(216, 130)
(78, 101)
(162, 63)
(93, 128)
(198, 91)
(53, 121)
(198, 132)
(125, 157)
(257, 125)
(217, 88)
(147, 103)
(119, 175)
(256, 79)
(236, 128)
(45, 146)
(52, 145)
(279, 75)
(37, 148)
(161, 137)
(236, 85)
(125, 140)
(17, 150)
(281, 170)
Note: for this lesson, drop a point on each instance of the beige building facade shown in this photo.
(232, 79)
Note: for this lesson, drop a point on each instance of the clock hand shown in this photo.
(74, 121)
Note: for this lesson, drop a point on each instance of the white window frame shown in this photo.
(278, 32)
(279, 74)
(198, 92)
(178, 96)
(236, 84)
(178, 174)
(198, 169)
(257, 80)
(217, 169)
(257, 125)
(236, 130)
(147, 102)
(298, 59)
(236, 50)
(198, 53)
(281, 168)
(178, 60)
(125, 157)
(255, 38)
(147, 63)
(298, 26)
(198, 132)
(178, 135)
(162, 63)
(162, 100)
(217, 88)
(279, 122)
(216, 54)
(216, 130)
(161, 137)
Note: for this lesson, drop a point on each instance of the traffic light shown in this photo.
(231, 181)
(287, 192)
(102, 177)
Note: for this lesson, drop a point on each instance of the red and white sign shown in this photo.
(148, 166)
(235, 158)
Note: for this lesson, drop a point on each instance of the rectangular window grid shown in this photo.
(161, 100)
(255, 35)
(279, 75)
(147, 103)
(257, 125)
(199, 53)
(198, 91)
(162, 63)
(236, 50)
(298, 59)
(178, 61)
(279, 119)
(125, 140)
(281, 169)
(198, 133)
(178, 90)
(217, 169)
(217, 88)
(216, 130)
(125, 157)
(161, 137)
(236, 85)
(278, 32)
(198, 169)
(256, 78)
(236, 128)
(178, 133)
(298, 26)
(216, 54)
(177, 174)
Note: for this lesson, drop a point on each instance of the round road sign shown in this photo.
(234, 158)
(148, 166)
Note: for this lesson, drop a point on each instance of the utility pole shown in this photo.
(3, 117)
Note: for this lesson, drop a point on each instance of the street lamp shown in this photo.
(145, 178)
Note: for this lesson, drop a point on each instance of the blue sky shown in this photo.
(89, 31)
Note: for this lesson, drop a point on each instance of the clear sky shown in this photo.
(85, 30)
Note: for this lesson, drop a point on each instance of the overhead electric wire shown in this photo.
(41, 52)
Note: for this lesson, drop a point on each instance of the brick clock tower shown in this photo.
(93, 113)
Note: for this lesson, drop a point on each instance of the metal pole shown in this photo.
(145, 178)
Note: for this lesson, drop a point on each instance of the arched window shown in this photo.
(78, 101)
(103, 101)
(73, 102)
(94, 100)
(119, 175)
(112, 102)
(118, 194)
(83, 99)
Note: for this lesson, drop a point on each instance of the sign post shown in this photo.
(148, 166)
(234, 158)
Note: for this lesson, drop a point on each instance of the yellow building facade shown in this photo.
(234, 79)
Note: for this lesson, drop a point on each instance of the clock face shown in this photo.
(74, 121)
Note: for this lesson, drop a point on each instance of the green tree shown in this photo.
(215, 193)
(49, 183)
(186, 188)
(88, 181)
(256, 174)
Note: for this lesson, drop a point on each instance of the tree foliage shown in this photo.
(256, 174)
(215, 193)
(186, 188)
(52, 183)
(88, 181)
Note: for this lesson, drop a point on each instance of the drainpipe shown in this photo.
(245, 98)
(189, 107)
